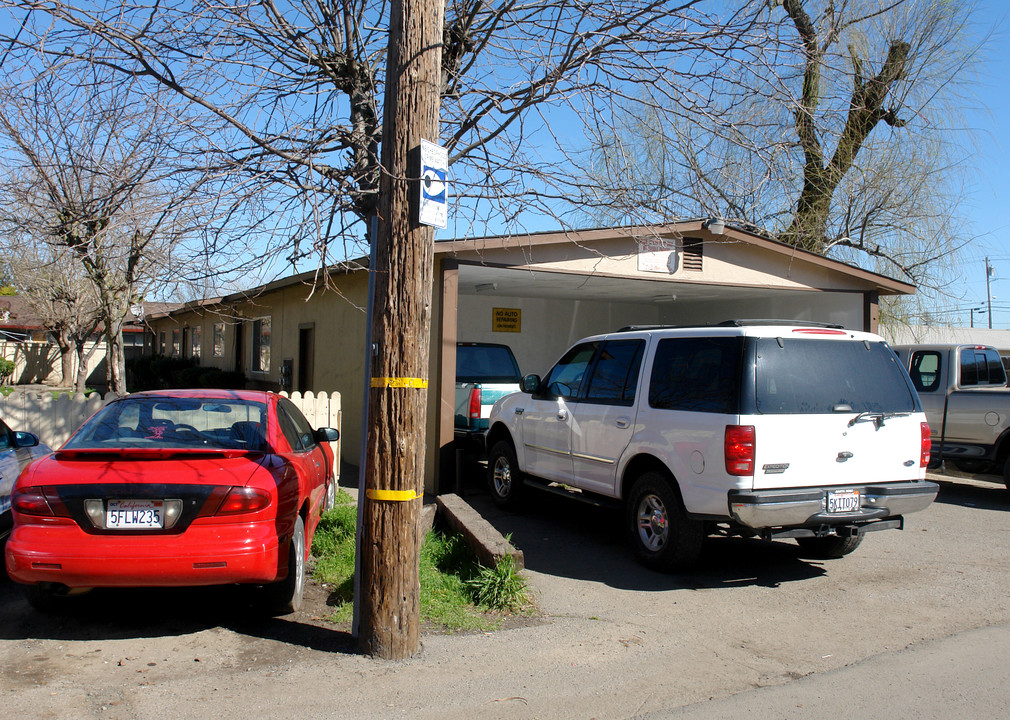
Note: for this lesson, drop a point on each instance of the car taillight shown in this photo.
(926, 447)
(244, 500)
(38, 502)
(739, 449)
(474, 413)
(31, 501)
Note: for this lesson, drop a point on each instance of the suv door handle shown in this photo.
(622, 422)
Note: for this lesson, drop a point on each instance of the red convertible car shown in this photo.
(175, 488)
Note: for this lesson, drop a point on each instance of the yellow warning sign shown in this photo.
(506, 320)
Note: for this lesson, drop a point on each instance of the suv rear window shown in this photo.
(811, 376)
(486, 364)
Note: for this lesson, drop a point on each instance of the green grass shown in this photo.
(457, 593)
(333, 547)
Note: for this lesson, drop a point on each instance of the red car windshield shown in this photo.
(168, 422)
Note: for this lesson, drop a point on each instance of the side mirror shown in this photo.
(531, 384)
(326, 434)
(25, 439)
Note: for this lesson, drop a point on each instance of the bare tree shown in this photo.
(294, 92)
(840, 137)
(54, 284)
(88, 172)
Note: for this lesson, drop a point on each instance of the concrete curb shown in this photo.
(488, 544)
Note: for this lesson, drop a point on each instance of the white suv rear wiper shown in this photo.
(877, 417)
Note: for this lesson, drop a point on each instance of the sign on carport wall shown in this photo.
(657, 255)
(506, 320)
(434, 205)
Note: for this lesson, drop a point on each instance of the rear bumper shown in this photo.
(804, 507)
(471, 441)
(204, 555)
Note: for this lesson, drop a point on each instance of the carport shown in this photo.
(540, 293)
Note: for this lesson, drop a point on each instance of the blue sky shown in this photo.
(988, 201)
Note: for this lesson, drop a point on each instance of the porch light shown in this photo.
(716, 226)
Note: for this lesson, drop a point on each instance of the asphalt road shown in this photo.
(913, 624)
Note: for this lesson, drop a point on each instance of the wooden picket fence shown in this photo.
(55, 416)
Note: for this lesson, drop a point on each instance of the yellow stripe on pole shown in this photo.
(401, 382)
(392, 495)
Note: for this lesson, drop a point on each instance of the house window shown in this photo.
(161, 343)
(194, 339)
(218, 350)
(176, 343)
(261, 345)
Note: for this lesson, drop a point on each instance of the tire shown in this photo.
(286, 596)
(830, 547)
(504, 479)
(663, 536)
(1006, 473)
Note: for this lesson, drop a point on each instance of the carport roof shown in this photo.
(479, 270)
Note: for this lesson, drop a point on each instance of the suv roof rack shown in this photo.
(733, 323)
(639, 328)
(779, 321)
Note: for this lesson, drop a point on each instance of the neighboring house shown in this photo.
(25, 339)
(536, 293)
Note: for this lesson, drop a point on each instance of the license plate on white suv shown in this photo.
(843, 501)
(135, 514)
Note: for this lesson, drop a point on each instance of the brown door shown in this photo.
(306, 351)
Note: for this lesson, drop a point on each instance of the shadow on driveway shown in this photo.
(986, 492)
(120, 613)
(565, 538)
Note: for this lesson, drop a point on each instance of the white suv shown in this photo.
(754, 428)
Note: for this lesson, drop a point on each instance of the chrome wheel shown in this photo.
(502, 476)
(653, 523)
(663, 535)
(504, 480)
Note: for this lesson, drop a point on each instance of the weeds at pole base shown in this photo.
(457, 593)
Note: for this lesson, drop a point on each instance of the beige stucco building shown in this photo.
(537, 293)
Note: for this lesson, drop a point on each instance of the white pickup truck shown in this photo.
(963, 389)
(774, 430)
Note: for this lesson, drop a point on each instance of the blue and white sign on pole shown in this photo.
(434, 205)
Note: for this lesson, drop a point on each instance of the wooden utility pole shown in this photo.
(390, 536)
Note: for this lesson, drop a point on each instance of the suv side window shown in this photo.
(615, 373)
(925, 370)
(697, 374)
(565, 377)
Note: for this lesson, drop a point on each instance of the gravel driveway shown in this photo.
(615, 640)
